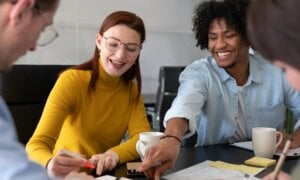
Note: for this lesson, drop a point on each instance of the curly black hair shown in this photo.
(232, 11)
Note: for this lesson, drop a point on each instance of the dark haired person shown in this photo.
(225, 95)
(92, 106)
(21, 23)
(280, 43)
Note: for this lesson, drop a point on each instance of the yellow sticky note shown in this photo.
(259, 161)
(250, 170)
(224, 165)
(240, 167)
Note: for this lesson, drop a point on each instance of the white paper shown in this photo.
(108, 177)
(248, 145)
(204, 171)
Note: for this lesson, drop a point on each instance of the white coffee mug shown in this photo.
(265, 141)
(147, 140)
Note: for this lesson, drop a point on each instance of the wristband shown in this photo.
(171, 136)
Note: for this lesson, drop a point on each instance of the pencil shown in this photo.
(282, 158)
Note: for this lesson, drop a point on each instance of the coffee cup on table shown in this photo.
(147, 140)
(265, 141)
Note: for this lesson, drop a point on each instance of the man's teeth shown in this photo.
(223, 54)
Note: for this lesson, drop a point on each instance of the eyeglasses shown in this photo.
(113, 44)
(49, 33)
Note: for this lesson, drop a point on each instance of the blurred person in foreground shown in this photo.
(21, 23)
(226, 94)
(273, 29)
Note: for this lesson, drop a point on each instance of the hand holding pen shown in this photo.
(87, 164)
(65, 162)
(281, 176)
(282, 158)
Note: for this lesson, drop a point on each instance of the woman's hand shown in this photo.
(105, 162)
(60, 166)
(78, 176)
(281, 176)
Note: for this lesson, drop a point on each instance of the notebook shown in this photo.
(248, 145)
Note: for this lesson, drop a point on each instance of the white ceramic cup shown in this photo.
(147, 140)
(265, 141)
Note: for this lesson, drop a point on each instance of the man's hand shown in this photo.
(160, 158)
(296, 139)
(163, 156)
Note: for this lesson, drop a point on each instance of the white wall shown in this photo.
(169, 37)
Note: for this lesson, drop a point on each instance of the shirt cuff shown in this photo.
(297, 125)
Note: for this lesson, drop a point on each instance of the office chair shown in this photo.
(167, 91)
(25, 88)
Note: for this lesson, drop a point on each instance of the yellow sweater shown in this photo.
(89, 123)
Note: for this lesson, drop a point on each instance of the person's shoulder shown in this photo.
(262, 61)
(75, 72)
(264, 65)
(202, 63)
(258, 57)
(206, 65)
(75, 75)
(200, 68)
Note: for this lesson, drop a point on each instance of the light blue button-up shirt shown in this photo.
(14, 164)
(208, 98)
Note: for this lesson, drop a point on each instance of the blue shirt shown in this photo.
(14, 163)
(208, 98)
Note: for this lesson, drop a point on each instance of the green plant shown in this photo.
(290, 121)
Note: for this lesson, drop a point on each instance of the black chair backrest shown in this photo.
(167, 91)
(25, 89)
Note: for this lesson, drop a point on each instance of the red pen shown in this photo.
(87, 164)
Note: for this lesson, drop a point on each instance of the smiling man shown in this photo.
(226, 94)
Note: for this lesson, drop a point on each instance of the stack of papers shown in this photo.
(216, 170)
